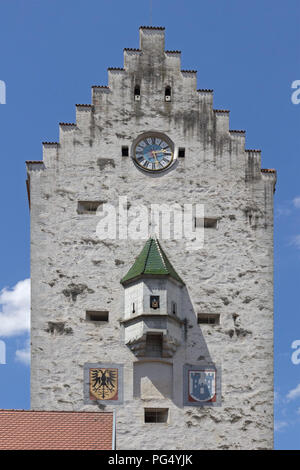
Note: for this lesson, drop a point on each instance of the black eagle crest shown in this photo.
(103, 381)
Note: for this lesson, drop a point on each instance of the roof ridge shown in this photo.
(161, 254)
(52, 411)
(146, 260)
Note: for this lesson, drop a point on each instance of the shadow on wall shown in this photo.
(162, 378)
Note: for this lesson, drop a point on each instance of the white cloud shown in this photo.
(282, 211)
(294, 393)
(296, 202)
(23, 355)
(296, 241)
(280, 425)
(15, 309)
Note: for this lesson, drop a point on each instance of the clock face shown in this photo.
(153, 153)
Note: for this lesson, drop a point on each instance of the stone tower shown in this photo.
(176, 338)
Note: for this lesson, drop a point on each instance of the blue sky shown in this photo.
(52, 51)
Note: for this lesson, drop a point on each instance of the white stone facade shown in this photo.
(73, 271)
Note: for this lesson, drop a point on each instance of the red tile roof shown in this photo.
(48, 430)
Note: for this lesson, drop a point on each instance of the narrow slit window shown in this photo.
(125, 151)
(209, 318)
(168, 93)
(137, 93)
(174, 308)
(97, 315)
(133, 307)
(156, 415)
(181, 152)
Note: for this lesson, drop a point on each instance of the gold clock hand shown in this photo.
(153, 153)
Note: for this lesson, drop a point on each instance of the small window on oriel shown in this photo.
(181, 152)
(154, 345)
(154, 301)
(174, 308)
(125, 151)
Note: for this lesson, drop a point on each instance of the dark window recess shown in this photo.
(174, 308)
(207, 222)
(209, 318)
(137, 93)
(125, 151)
(156, 415)
(97, 315)
(133, 307)
(181, 152)
(154, 301)
(88, 207)
(168, 93)
(154, 345)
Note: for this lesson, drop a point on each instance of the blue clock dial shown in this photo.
(153, 153)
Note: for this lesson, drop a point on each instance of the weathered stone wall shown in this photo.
(73, 270)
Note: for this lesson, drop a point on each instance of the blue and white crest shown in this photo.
(202, 385)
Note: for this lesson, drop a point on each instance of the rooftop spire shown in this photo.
(151, 261)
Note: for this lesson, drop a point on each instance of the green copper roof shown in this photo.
(152, 260)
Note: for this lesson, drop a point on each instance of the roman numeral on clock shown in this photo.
(153, 153)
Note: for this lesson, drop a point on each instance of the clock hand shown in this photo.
(153, 153)
(160, 151)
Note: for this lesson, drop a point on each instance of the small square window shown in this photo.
(125, 151)
(207, 222)
(97, 315)
(209, 318)
(181, 152)
(156, 415)
(88, 207)
(210, 222)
